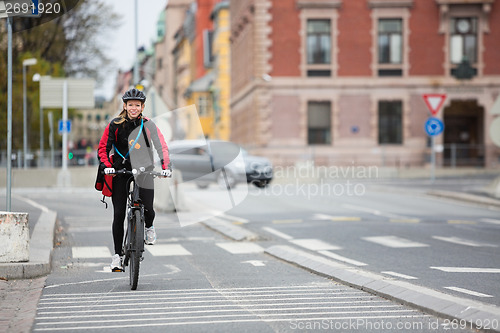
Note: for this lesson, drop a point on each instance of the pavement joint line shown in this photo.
(428, 300)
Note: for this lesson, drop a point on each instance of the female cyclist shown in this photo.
(127, 142)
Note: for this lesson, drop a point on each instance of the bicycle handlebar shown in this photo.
(136, 172)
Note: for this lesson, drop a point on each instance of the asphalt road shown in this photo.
(194, 279)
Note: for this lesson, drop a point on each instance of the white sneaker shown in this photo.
(116, 263)
(150, 236)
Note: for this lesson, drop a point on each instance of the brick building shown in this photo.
(341, 81)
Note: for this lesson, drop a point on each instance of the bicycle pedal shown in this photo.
(118, 270)
(141, 259)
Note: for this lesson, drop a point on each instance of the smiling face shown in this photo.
(134, 108)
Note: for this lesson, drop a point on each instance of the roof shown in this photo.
(202, 84)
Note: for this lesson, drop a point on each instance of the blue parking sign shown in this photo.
(64, 126)
(434, 126)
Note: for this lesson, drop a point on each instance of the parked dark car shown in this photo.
(223, 162)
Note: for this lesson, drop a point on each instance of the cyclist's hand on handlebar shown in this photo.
(166, 173)
(109, 171)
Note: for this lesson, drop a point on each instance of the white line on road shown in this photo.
(461, 241)
(399, 275)
(394, 242)
(256, 263)
(91, 252)
(468, 292)
(377, 212)
(467, 270)
(241, 247)
(232, 321)
(277, 233)
(493, 221)
(162, 250)
(341, 258)
(314, 244)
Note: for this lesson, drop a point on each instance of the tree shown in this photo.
(67, 43)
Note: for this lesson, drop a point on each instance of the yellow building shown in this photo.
(220, 89)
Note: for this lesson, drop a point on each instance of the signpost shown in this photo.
(66, 93)
(434, 126)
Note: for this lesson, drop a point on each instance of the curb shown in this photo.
(230, 230)
(41, 245)
(422, 298)
(477, 199)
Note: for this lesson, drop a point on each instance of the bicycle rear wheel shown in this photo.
(136, 240)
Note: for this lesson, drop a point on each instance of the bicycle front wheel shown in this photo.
(137, 240)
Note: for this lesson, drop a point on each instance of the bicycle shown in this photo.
(133, 244)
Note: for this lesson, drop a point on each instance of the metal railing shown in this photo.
(50, 158)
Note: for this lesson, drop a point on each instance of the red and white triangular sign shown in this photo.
(434, 102)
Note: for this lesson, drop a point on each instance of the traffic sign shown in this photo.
(64, 126)
(434, 102)
(434, 126)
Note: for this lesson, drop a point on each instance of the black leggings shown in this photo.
(119, 199)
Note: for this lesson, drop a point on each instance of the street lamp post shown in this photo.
(26, 62)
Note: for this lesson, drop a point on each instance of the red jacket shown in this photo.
(120, 137)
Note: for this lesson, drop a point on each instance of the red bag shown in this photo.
(104, 183)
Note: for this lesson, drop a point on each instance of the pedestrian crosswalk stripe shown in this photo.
(468, 292)
(314, 244)
(162, 250)
(394, 242)
(91, 252)
(240, 247)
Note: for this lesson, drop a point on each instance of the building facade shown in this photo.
(342, 81)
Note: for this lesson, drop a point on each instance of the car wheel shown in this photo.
(231, 180)
(260, 183)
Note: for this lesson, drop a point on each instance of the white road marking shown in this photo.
(493, 221)
(240, 247)
(163, 250)
(461, 241)
(468, 292)
(173, 269)
(399, 275)
(91, 252)
(314, 244)
(377, 212)
(394, 242)
(335, 218)
(467, 270)
(256, 263)
(277, 233)
(343, 259)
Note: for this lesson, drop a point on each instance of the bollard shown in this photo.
(14, 237)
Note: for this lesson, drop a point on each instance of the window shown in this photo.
(203, 105)
(318, 42)
(390, 41)
(463, 39)
(208, 55)
(390, 122)
(318, 123)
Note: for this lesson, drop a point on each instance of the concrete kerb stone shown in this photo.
(477, 199)
(421, 298)
(41, 245)
(230, 230)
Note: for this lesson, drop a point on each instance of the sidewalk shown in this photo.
(21, 284)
